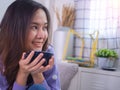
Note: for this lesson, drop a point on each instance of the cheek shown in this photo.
(46, 35)
(31, 36)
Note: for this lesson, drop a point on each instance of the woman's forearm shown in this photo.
(21, 78)
(38, 78)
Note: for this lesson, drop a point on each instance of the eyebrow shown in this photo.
(38, 23)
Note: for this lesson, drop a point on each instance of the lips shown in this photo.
(38, 44)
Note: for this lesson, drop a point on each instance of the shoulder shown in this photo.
(1, 65)
(3, 82)
(50, 49)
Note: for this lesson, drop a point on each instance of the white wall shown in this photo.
(5, 3)
(50, 4)
(3, 6)
(59, 5)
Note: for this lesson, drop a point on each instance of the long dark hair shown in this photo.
(13, 34)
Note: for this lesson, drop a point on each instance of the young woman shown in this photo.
(25, 27)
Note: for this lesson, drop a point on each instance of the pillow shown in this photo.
(67, 72)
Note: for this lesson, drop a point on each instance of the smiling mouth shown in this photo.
(38, 44)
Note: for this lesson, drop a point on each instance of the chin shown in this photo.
(37, 49)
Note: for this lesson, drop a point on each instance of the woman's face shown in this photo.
(38, 33)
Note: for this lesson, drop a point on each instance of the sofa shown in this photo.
(67, 72)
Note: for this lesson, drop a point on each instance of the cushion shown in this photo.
(67, 72)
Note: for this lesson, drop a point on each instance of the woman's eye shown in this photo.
(45, 28)
(34, 27)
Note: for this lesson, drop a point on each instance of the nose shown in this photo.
(40, 33)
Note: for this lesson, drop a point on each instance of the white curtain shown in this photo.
(98, 15)
(105, 16)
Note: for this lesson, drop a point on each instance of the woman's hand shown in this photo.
(33, 68)
(38, 76)
(25, 68)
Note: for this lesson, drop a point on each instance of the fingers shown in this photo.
(23, 55)
(39, 68)
(51, 63)
(37, 60)
(28, 58)
(37, 64)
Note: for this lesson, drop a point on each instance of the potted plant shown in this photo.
(106, 58)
